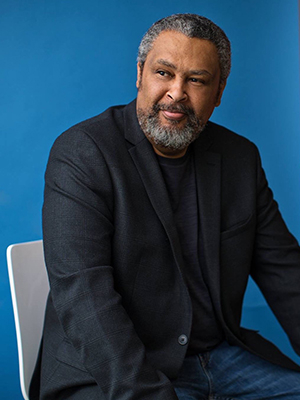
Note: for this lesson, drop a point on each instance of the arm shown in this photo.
(78, 229)
(276, 263)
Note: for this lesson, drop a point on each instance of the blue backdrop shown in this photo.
(64, 61)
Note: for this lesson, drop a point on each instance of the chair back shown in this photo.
(29, 290)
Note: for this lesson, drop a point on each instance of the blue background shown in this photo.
(64, 61)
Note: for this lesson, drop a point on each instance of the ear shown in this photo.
(220, 93)
(139, 75)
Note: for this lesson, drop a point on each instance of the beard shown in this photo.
(173, 136)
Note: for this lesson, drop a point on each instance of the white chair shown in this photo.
(29, 290)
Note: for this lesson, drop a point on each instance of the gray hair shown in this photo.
(193, 26)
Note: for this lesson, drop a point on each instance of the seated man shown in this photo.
(154, 218)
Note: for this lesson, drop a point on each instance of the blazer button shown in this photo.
(182, 340)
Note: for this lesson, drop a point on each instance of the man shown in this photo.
(154, 218)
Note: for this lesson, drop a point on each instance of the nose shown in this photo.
(177, 91)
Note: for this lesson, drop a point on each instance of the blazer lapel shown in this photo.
(147, 165)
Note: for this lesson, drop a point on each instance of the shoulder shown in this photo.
(99, 134)
(99, 126)
(83, 153)
(227, 142)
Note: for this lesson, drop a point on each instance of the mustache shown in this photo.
(181, 108)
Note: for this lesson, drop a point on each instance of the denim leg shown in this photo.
(192, 383)
(232, 373)
(239, 374)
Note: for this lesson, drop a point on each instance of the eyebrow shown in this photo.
(166, 63)
(173, 66)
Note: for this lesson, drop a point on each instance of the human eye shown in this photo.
(197, 81)
(162, 73)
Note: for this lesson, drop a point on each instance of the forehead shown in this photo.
(185, 52)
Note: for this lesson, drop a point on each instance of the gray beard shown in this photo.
(172, 137)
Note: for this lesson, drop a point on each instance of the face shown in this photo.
(178, 89)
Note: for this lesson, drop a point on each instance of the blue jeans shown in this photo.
(230, 373)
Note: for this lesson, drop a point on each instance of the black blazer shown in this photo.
(119, 309)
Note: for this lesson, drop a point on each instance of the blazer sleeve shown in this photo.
(78, 227)
(276, 262)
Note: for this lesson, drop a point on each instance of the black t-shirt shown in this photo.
(179, 176)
